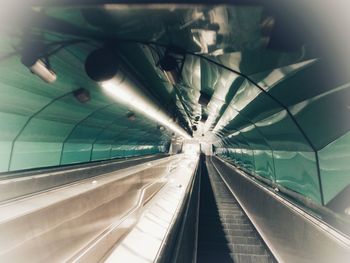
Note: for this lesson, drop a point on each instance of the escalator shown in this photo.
(174, 131)
(225, 233)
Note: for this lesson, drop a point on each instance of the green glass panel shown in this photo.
(248, 159)
(10, 125)
(297, 171)
(239, 157)
(231, 154)
(264, 164)
(83, 133)
(76, 153)
(5, 152)
(21, 88)
(255, 137)
(69, 109)
(101, 151)
(335, 167)
(45, 130)
(57, 121)
(309, 92)
(118, 151)
(35, 154)
(274, 123)
(39, 136)
(19, 101)
(281, 133)
(333, 106)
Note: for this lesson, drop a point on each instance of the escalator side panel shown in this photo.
(290, 233)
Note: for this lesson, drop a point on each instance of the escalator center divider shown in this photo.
(181, 241)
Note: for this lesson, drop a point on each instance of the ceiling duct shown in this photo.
(171, 64)
(170, 68)
(204, 99)
(204, 118)
(103, 66)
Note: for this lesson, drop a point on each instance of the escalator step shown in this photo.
(248, 249)
(211, 257)
(233, 248)
(235, 221)
(226, 210)
(236, 227)
(244, 258)
(245, 240)
(214, 257)
(233, 235)
(225, 226)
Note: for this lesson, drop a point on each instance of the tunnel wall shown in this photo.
(44, 124)
(294, 133)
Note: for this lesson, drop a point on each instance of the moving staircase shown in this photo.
(225, 233)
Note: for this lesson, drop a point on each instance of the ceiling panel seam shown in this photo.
(78, 123)
(28, 121)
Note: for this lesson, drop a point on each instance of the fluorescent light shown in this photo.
(40, 69)
(208, 37)
(169, 66)
(125, 91)
(116, 90)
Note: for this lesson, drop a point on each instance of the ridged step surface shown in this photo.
(225, 232)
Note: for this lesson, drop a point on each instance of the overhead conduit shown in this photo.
(102, 66)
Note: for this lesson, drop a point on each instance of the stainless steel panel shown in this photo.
(17, 185)
(290, 233)
(61, 224)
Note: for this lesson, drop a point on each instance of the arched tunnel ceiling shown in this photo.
(273, 97)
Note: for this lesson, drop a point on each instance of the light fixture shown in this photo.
(39, 68)
(102, 66)
(171, 63)
(204, 99)
(204, 118)
(207, 37)
(170, 68)
(34, 58)
(267, 25)
(131, 116)
(82, 95)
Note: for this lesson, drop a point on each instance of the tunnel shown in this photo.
(175, 132)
